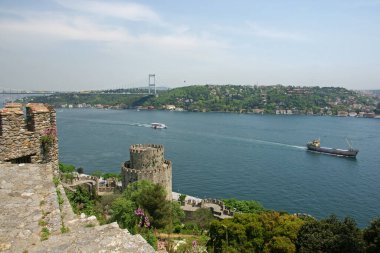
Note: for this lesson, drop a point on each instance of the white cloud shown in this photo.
(128, 11)
(73, 29)
(249, 29)
(266, 32)
(58, 26)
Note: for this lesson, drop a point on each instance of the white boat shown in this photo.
(158, 126)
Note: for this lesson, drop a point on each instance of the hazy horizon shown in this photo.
(92, 45)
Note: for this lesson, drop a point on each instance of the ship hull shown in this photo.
(333, 151)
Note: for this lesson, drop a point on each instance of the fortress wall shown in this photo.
(146, 156)
(20, 135)
(148, 163)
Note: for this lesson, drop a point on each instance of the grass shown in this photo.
(42, 223)
(64, 229)
(44, 233)
(56, 181)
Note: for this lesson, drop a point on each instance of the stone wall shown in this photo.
(28, 137)
(147, 163)
(30, 205)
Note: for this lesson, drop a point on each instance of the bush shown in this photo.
(66, 168)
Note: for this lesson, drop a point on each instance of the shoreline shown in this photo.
(232, 112)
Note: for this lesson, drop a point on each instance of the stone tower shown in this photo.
(28, 137)
(147, 163)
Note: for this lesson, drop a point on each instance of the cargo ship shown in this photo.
(315, 146)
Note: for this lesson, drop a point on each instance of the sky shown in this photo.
(94, 44)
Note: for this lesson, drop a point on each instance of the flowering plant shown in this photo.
(48, 137)
(144, 220)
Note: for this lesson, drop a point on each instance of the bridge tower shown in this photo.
(152, 83)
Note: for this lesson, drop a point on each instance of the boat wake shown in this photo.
(139, 125)
(113, 122)
(279, 144)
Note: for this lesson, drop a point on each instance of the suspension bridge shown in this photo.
(147, 90)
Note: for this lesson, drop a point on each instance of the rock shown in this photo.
(5, 246)
(91, 218)
(26, 194)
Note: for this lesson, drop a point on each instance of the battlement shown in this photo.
(28, 135)
(126, 168)
(147, 163)
(139, 148)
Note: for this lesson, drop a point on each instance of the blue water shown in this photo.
(222, 155)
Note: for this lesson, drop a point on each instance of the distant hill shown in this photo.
(231, 98)
(269, 99)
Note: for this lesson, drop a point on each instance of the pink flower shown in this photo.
(139, 212)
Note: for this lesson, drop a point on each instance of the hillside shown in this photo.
(268, 99)
(232, 98)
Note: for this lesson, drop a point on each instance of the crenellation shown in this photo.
(28, 137)
(147, 163)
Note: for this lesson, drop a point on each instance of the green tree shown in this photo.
(280, 244)
(255, 232)
(152, 199)
(371, 237)
(182, 198)
(122, 211)
(244, 206)
(82, 200)
(330, 235)
(202, 218)
(66, 168)
(97, 173)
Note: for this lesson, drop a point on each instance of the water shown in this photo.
(223, 155)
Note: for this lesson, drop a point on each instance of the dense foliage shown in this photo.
(151, 198)
(371, 237)
(330, 235)
(66, 168)
(83, 201)
(106, 175)
(237, 98)
(231, 98)
(244, 206)
(125, 100)
(260, 232)
(271, 231)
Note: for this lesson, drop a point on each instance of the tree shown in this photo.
(151, 198)
(330, 235)
(182, 198)
(244, 206)
(66, 168)
(202, 218)
(269, 231)
(280, 244)
(82, 200)
(122, 211)
(371, 237)
(97, 173)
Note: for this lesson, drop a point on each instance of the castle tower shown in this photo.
(147, 163)
(28, 137)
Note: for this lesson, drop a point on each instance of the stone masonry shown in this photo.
(147, 163)
(29, 204)
(28, 137)
(35, 215)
